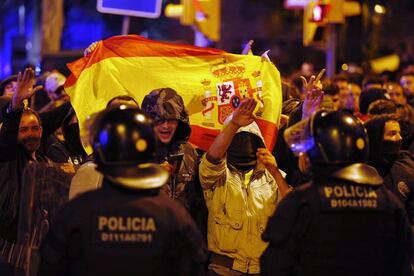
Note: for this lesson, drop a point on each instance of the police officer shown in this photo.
(344, 222)
(128, 227)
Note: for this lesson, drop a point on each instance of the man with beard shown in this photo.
(242, 186)
(20, 139)
(396, 166)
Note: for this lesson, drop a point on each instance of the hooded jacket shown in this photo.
(165, 103)
(399, 175)
(239, 206)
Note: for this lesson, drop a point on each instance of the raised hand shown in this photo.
(24, 89)
(266, 158)
(243, 115)
(247, 50)
(314, 94)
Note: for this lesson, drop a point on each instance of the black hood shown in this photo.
(375, 129)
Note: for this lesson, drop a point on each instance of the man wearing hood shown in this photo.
(242, 186)
(175, 154)
(396, 166)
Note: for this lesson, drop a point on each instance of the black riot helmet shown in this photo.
(334, 141)
(124, 147)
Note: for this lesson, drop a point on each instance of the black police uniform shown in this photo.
(344, 222)
(115, 231)
(335, 227)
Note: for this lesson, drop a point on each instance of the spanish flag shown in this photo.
(211, 82)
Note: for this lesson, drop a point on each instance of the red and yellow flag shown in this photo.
(211, 82)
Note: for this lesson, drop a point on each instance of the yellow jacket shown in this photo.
(239, 206)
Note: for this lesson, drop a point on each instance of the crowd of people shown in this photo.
(334, 197)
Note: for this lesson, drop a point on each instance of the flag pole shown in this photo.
(125, 24)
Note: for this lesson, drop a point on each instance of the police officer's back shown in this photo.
(127, 227)
(344, 222)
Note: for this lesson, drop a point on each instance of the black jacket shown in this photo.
(398, 175)
(114, 231)
(328, 227)
(13, 160)
(183, 185)
(400, 180)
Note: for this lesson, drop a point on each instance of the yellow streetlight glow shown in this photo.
(379, 9)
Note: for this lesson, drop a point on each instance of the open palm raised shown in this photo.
(243, 115)
(25, 89)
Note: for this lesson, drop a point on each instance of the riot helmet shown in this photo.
(124, 147)
(334, 142)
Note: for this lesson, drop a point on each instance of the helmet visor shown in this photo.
(90, 127)
(139, 177)
(299, 136)
(88, 132)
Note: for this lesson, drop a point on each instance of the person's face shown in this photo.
(10, 88)
(342, 85)
(330, 102)
(335, 101)
(392, 131)
(356, 90)
(30, 133)
(396, 94)
(407, 83)
(165, 130)
(347, 100)
(58, 94)
(349, 97)
(307, 69)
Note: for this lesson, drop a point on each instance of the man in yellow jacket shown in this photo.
(242, 186)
